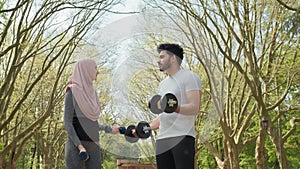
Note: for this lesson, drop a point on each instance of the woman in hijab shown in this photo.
(81, 113)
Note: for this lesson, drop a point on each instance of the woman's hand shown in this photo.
(115, 129)
(83, 154)
(81, 148)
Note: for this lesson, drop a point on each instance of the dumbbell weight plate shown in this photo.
(143, 130)
(129, 136)
(152, 104)
(169, 103)
(83, 155)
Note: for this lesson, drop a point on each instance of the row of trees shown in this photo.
(38, 42)
(247, 54)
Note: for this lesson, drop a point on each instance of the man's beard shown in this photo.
(165, 66)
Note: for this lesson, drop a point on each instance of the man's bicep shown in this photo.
(194, 97)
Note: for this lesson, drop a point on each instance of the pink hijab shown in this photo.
(81, 84)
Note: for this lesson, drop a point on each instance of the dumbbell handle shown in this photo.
(122, 130)
(145, 128)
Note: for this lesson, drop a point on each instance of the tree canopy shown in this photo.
(246, 53)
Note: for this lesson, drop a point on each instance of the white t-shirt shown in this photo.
(174, 124)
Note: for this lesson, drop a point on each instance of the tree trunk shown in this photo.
(233, 155)
(280, 153)
(260, 152)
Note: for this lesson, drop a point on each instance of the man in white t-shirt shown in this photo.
(175, 143)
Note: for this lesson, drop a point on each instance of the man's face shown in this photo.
(164, 61)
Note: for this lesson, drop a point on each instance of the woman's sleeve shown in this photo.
(68, 117)
(105, 128)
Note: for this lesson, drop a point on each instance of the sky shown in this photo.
(119, 30)
(117, 35)
(119, 26)
(127, 6)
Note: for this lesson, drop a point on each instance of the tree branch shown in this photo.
(286, 6)
(292, 130)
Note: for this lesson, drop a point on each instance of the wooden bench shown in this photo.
(133, 164)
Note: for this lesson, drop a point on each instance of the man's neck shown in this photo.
(171, 72)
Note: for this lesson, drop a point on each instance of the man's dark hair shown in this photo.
(173, 48)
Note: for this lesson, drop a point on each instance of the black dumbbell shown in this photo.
(83, 155)
(128, 133)
(143, 130)
(168, 103)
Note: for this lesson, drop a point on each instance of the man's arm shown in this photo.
(192, 106)
(154, 125)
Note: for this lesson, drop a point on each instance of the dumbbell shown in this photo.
(142, 130)
(128, 133)
(83, 155)
(168, 103)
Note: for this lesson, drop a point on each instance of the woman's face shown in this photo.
(96, 73)
(89, 68)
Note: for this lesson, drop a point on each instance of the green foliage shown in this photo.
(292, 148)
(25, 161)
(206, 160)
(108, 160)
(247, 158)
(292, 144)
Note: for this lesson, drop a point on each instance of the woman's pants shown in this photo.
(72, 158)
